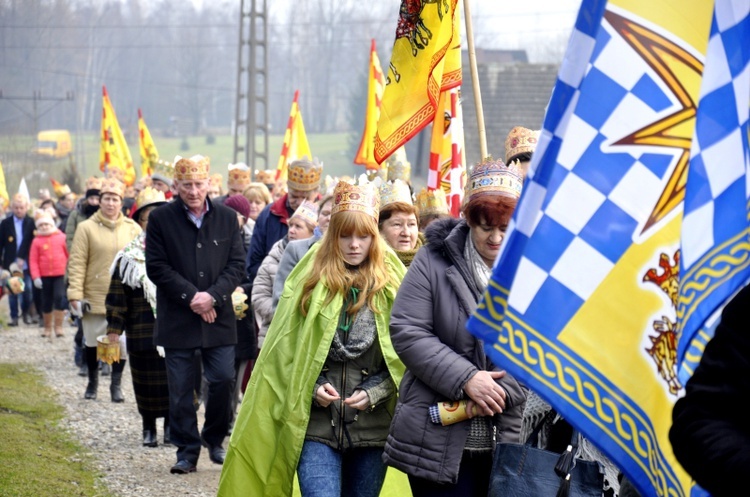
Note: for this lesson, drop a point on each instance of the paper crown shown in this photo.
(113, 172)
(267, 177)
(148, 196)
(360, 198)
(93, 183)
(493, 177)
(520, 140)
(112, 185)
(194, 168)
(304, 175)
(59, 189)
(163, 171)
(41, 216)
(238, 176)
(395, 191)
(216, 179)
(308, 211)
(432, 202)
(398, 166)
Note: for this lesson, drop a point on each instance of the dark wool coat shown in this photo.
(129, 311)
(270, 227)
(8, 240)
(710, 431)
(428, 330)
(182, 260)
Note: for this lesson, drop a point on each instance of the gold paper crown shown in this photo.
(112, 185)
(395, 191)
(360, 198)
(194, 168)
(149, 196)
(163, 171)
(308, 211)
(239, 178)
(216, 179)
(398, 166)
(493, 177)
(267, 177)
(432, 202)
(520, 140)
(59, 189)
(304, 175)
(93, 183)
(115, 173)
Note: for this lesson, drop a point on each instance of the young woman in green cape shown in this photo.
(321, 398)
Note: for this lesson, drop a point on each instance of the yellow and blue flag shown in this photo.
(632, 229)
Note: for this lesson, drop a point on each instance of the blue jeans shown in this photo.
(26, 297)
(325, 472)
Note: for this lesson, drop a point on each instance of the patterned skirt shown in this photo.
(149, 372)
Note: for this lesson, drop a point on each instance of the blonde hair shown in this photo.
(257, 192)
(329, 265)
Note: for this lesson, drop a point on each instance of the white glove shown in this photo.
(38, 283)
(76, 309)
(160, 350)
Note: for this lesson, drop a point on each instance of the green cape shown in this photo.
(270, 429)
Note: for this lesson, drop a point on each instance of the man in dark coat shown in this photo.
(16, 234)
(195, 257)
(271, 226)
(710, 431)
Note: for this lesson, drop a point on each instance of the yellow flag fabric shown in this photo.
(426, 60)
(447, 170)
(375, 87)
(114, 151)
(295, 145)
(4, 198)
(149, 154)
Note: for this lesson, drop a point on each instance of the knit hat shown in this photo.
(42, 216)
(239, 203)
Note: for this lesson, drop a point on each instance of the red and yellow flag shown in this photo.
(114, 151)
(4, 198)
(426, 60)
(149, 154)
(295, 145)
(375, 87)
(447, 169)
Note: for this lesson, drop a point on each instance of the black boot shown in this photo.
(93, 368)
(149, 432)
(115, 387)
(167, 434)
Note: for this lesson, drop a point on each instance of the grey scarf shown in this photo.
(348, 345)
(479, 269)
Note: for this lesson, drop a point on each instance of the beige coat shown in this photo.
(95, 244)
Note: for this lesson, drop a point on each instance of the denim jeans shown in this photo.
(326, 472)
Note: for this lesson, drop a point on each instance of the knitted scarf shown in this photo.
(479, 269)
(353, 337)
(132, 261)
(407, 256)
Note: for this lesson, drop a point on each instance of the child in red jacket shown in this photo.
(47, 260)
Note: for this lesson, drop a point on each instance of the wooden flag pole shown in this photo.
(475, 82)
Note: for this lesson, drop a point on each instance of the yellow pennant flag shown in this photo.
(426, 60)
(114, 152)
(375, 87)
(149, 154)
(4, 198)
(295, 145)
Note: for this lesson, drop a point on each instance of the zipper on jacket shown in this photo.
(342, 412)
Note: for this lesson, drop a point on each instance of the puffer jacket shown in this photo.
(97, 240)
(262, 292)
(428, 331)
(48, 255)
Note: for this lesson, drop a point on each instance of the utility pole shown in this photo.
(251, 108)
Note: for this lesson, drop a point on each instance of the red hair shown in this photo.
(494, 210)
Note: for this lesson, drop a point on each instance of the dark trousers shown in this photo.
(26, 297)
(53, 294)
(473, 479)
(218, 367)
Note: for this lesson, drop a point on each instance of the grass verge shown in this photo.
(37, 457)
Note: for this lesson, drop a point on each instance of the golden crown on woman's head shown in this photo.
(93, 183)
(112, 185)
(304, 175)
(432, 202)
(519, 141)
(148, 196)
(307, 211)
(360, 198)
(493, 177)
(395, 191)
(194, 168)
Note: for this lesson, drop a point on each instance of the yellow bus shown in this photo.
(53, 143)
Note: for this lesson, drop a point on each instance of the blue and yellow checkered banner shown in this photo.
(632, 229)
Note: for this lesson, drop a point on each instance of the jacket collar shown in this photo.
(449, 236)
(99, 218)
(280, 210)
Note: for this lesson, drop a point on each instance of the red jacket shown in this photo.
(48, 255)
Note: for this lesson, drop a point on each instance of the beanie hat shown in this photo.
(240, 204)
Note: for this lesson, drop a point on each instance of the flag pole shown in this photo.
(475, 82)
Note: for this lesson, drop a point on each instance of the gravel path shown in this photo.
(109, 432)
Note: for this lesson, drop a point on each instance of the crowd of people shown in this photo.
(316, 320)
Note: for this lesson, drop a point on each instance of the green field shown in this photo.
(330, 148)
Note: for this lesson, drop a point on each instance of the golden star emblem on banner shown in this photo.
(673, 65)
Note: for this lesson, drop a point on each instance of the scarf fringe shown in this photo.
(132, 262)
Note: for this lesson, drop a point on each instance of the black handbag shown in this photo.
(523, 470)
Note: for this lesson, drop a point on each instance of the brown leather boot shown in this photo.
(47, 325)
(59, 319)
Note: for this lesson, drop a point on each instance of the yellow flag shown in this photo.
(149, 154)
(4, 198)
(426, 60)
(114, 151)
(375, 87)
(295, 145)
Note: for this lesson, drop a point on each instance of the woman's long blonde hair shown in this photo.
(329, 265)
